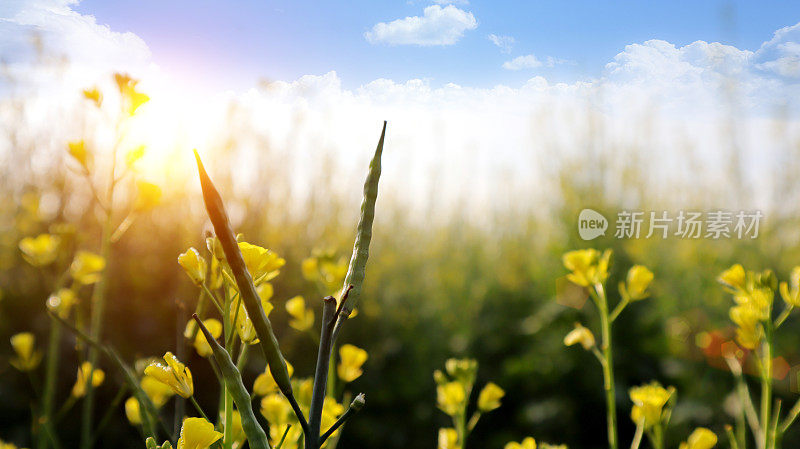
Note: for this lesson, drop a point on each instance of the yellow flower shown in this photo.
(4, 445)
(587, 266)
(87, 267)
(93, 94)
(331, 410)
(265, 384)
(648, 403)
(450, 397)
(134, 154)
(41, 250)
(197, 433)
(580, 335)
(262, 263)
(80, 153)
(792, 296)
(98, 376)
(701, 438)
(276, 409)
(639, 278)
(326, 270)
(303, 319)
(131, 98)
(733, 277)
(61, 302)
(448, 438)
(159, 393)
(527, 443)
(489, 397)
(174, 374)
(351, 360)
(28, 357)
(463, 370)
(148, 195)
(215, 276)
(132, 411)
(194, 265)
(200, 343)
(244, 326)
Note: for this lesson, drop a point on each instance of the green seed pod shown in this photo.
(252, 302)
(256, 436)
(358, 262)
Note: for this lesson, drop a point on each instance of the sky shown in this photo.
(477, 94)
(235, 45)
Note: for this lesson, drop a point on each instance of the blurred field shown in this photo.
(443, 281)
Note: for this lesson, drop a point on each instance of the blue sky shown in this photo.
(232, 45)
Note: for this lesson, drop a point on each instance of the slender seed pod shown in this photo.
(252, 303)
(256, 436)
(247, 290)
(358, 262)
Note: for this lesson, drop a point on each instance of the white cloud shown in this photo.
(504, 43)
(437, 26)
(532, 62)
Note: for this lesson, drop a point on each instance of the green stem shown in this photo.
(321, 372)
(608, 366)
(354, 407)
(198, 408)
(732, 439)
(98, 306)
(766, 385)
(50, 378)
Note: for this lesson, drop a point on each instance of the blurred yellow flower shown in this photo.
(463, 370)
(87, 267)
(701, 438)
(244, 326)
(587, 266)
(200, 343)
(527, 443)
(448, 438)
(194, 265)
(325, 269)
(351, 359)
(733, 277)
(61, 302)
(215, 248)
(489, 397)
(450, 397)
(197, 433)
(174, 374)
(215, 276)
(40, 250)
(303, 318)
(262, 263)
(265, 384)
(276, 409)
(238, 436)
(134, 154)
(4, 445)
(158, 392)
(131, 98)
(639, 278)
(580, 335)
(132, 411)
(93, 94)
(80, 153)
(331, 410)
(792, 296)
(28, 357)
(148, 195)
(648, 403)
(98, 376)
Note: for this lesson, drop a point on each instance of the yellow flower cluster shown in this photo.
(753, 295)
(84, 371)
(587, 266)
(648, 403)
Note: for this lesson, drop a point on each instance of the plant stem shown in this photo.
(321, 372)
(354, 407)
(766, 384)
(50, 379)
(608, 366)
(98, 306)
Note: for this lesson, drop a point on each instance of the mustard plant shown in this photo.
(453, 390)
(754, 314)
(589, 269)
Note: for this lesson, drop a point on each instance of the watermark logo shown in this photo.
(591, 224)
(714, 225)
